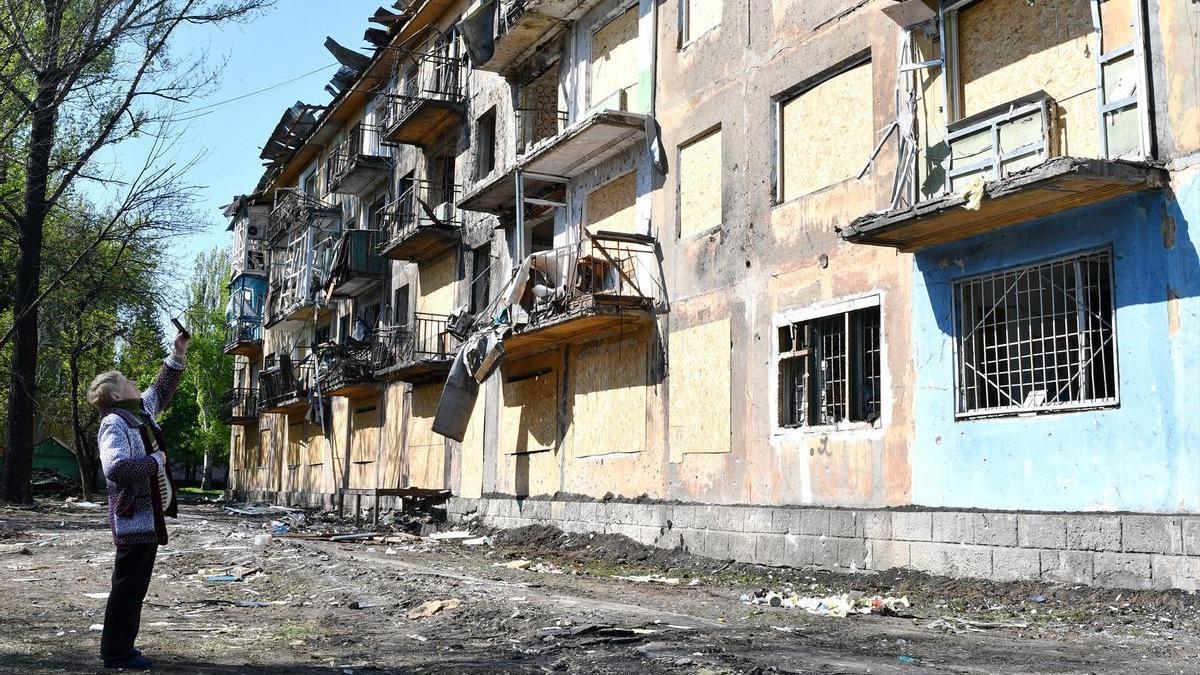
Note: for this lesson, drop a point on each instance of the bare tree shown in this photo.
(77, 76)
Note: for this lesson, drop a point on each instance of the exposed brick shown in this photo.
(1016, 564)
(1094, 533)
(841, 523)
(1151, 534)
(756, 519)
(912, 525)
(1191, 536)
(798, 550)
(770, 549)
(1036, 530)
(1175, 571)
(953, 526)
(814, 522)
(876, 524)
(781, 520)
(952, 560)
(1122, 570)
(995, 529)
(886, 554)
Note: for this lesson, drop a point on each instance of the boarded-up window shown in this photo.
(614, 65)
(613, 207)
(529, 419)
(1011, 49)
(699, 389)
(699, 17)
(314, 445)
(425, 460)
(261, 452)
(437, 285)
(700, 185)
(825, 133)
(297, 443)
(364, 442)
(608, 390)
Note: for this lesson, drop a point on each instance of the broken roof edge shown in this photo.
(1137, 175)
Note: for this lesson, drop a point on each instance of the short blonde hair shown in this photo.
(102, 393)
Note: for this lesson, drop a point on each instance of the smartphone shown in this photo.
(179, 327)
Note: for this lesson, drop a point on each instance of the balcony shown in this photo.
(359, 162)
(420, 352)
(356, 264)
(287, 307)
(607, 284)
(243, 337)
(239, 407)
(1056, 185)
(284, 388)
(430, 104)
(421, 223)
(348, 369)
(522, 26)
(565, 155)
(293, 208)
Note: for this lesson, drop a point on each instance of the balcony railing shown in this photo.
(430, 102)
(421, 350)
(347, 369)
(239, 407)
(293, 207)
(285, 387)
(243, 336)
(538, 124)
(359, 161)
(421, 221)
(522, 25)
(356, 263)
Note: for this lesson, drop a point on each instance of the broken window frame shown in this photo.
(1012, 277)
(953, 111)
(1039, 105)
(686, 39)
(853, 408)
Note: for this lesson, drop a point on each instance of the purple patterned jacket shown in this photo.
(135, 511)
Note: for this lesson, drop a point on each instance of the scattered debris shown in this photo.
(452, 535)
(909, 660)
(515, 564)
(957, 625)
(354, 537)
(431, 607)
(15, 549)
(854, 602)
(96, 596)
(652, 578)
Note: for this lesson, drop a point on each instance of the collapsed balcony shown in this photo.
(430, 104)
(605, 284)
(293, 208)
(285, 387)
(358, 162)
(347, 369)
(558, 158)
(420, 352)
(356, 264)
(243, 336)
(520, 27)
(287, 305)
(239, 407)
(421, 222)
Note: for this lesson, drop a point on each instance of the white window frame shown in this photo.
(819, 311)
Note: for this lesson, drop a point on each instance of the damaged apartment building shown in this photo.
(857, 284)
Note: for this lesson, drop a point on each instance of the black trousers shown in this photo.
(123, 615)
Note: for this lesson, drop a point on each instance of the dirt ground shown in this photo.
(537, 601)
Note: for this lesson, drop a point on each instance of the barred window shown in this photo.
(1037, 338)
(829, 370)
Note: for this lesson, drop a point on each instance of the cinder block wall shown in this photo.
(1102, 549)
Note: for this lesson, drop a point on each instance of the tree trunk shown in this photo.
(206, 472)
(81, 451)
(18, 463)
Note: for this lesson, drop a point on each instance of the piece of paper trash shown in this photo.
(96, 596)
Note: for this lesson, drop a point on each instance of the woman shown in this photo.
(132, 451)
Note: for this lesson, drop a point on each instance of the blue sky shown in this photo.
(273, 48)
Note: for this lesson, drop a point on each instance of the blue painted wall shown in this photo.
(1143, 456)
(246, 295)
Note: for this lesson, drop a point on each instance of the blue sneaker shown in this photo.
(134, 661)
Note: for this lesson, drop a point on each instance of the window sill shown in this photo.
(777, 203)
(687, 44)
(1025, 415)
(825, 429)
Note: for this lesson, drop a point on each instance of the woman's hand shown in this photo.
(181, 346)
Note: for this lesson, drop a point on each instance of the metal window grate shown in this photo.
(1037, 338)
(829, 370)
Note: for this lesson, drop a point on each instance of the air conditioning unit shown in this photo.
(444, 212)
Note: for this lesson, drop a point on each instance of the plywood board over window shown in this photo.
(700, 170)
(297, 443)
(612, 207)
(1010, 49)
(608, 397)
(364, 444)
(699, 17)
(698, 372)
(529, 417)
(826, 133)
(425, 460)
(614, 63)
(437, 279)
